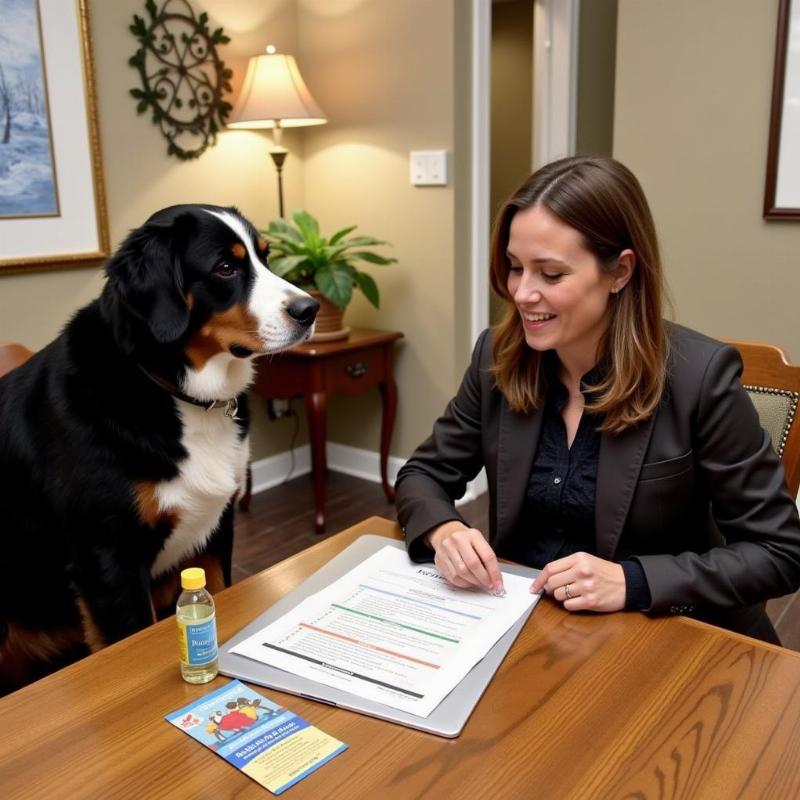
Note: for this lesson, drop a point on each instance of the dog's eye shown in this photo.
(225, 269)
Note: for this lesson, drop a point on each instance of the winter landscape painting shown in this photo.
(27, 176)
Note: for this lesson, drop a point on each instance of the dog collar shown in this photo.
(231, 406)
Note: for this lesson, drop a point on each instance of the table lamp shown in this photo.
(275, 96)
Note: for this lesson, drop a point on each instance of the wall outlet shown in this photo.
(276, 409)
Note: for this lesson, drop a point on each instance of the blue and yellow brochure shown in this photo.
(268, 743)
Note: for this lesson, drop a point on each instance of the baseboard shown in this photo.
(364, 464)
(274, 470)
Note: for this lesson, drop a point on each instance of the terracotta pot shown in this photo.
(329, 320)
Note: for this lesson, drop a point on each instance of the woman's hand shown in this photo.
(465, 558)
(583, 582)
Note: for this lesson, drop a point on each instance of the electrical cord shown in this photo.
(292, 413)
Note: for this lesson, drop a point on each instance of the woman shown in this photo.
(624, 458)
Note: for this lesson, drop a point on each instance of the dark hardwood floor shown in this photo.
(280, 523)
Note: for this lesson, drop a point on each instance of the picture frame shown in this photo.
(782, 193)
(71, 229)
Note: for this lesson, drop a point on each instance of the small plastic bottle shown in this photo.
(197, 628)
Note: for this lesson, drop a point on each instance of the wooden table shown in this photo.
(315, 370)
(583, 707)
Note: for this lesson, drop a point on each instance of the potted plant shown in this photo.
(326, 268)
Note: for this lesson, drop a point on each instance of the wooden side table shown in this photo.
(315, 370)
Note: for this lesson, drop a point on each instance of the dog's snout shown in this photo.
(303, 309)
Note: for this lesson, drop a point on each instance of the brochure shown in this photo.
(270, 744)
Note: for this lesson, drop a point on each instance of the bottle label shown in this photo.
(197, 641)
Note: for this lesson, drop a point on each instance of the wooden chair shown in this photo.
(774, 387)
(12, 354)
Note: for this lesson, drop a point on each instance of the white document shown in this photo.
(391, 631)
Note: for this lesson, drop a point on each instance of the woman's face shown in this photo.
(557, 286)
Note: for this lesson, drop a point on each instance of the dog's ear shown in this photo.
(146, 273)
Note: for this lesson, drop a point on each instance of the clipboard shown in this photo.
(447, 719)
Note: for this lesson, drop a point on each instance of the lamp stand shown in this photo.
(278, 156)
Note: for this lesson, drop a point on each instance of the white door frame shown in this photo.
(480, 124)
(555, 81)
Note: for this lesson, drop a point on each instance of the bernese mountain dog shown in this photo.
(124, 442)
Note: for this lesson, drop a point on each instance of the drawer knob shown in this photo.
(357, 370)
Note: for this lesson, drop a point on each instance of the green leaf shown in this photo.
(336, 283)
(372, 258)
(367, 285)
(364, 241)
(280, 227)
(283, 265)
(308, 226)
(287, 247)
(343, 232)
(331, 254)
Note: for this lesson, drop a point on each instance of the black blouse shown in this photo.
(558, 515)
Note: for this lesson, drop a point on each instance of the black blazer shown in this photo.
(696, 493)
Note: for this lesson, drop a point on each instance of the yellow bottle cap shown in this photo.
(193, 578)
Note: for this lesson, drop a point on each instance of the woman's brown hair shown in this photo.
(603, 201)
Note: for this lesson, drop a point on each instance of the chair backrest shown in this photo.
(774, 387)
(12, 354)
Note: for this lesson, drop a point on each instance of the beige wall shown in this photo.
(387, 83)
(141, 178)
(693, 89)
(384, 73)
(691, 119)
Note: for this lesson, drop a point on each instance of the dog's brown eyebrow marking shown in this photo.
(262, 245)
(238, 250)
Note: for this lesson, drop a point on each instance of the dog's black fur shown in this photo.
(87, 435)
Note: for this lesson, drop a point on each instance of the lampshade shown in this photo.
(273, 89)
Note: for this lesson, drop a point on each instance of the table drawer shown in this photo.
(353, 372)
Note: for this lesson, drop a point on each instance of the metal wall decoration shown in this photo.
(183, 77)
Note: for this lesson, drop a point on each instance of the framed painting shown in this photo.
(52, 198)
(782, 195)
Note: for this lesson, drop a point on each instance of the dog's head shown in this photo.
(195, 277)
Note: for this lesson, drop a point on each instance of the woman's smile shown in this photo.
(536, 321)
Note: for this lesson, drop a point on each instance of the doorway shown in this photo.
(552, 68)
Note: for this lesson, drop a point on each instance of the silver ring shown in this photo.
(567, 592)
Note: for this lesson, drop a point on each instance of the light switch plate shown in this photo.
(428, 167)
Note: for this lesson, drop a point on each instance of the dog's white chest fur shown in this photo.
(214, 470)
